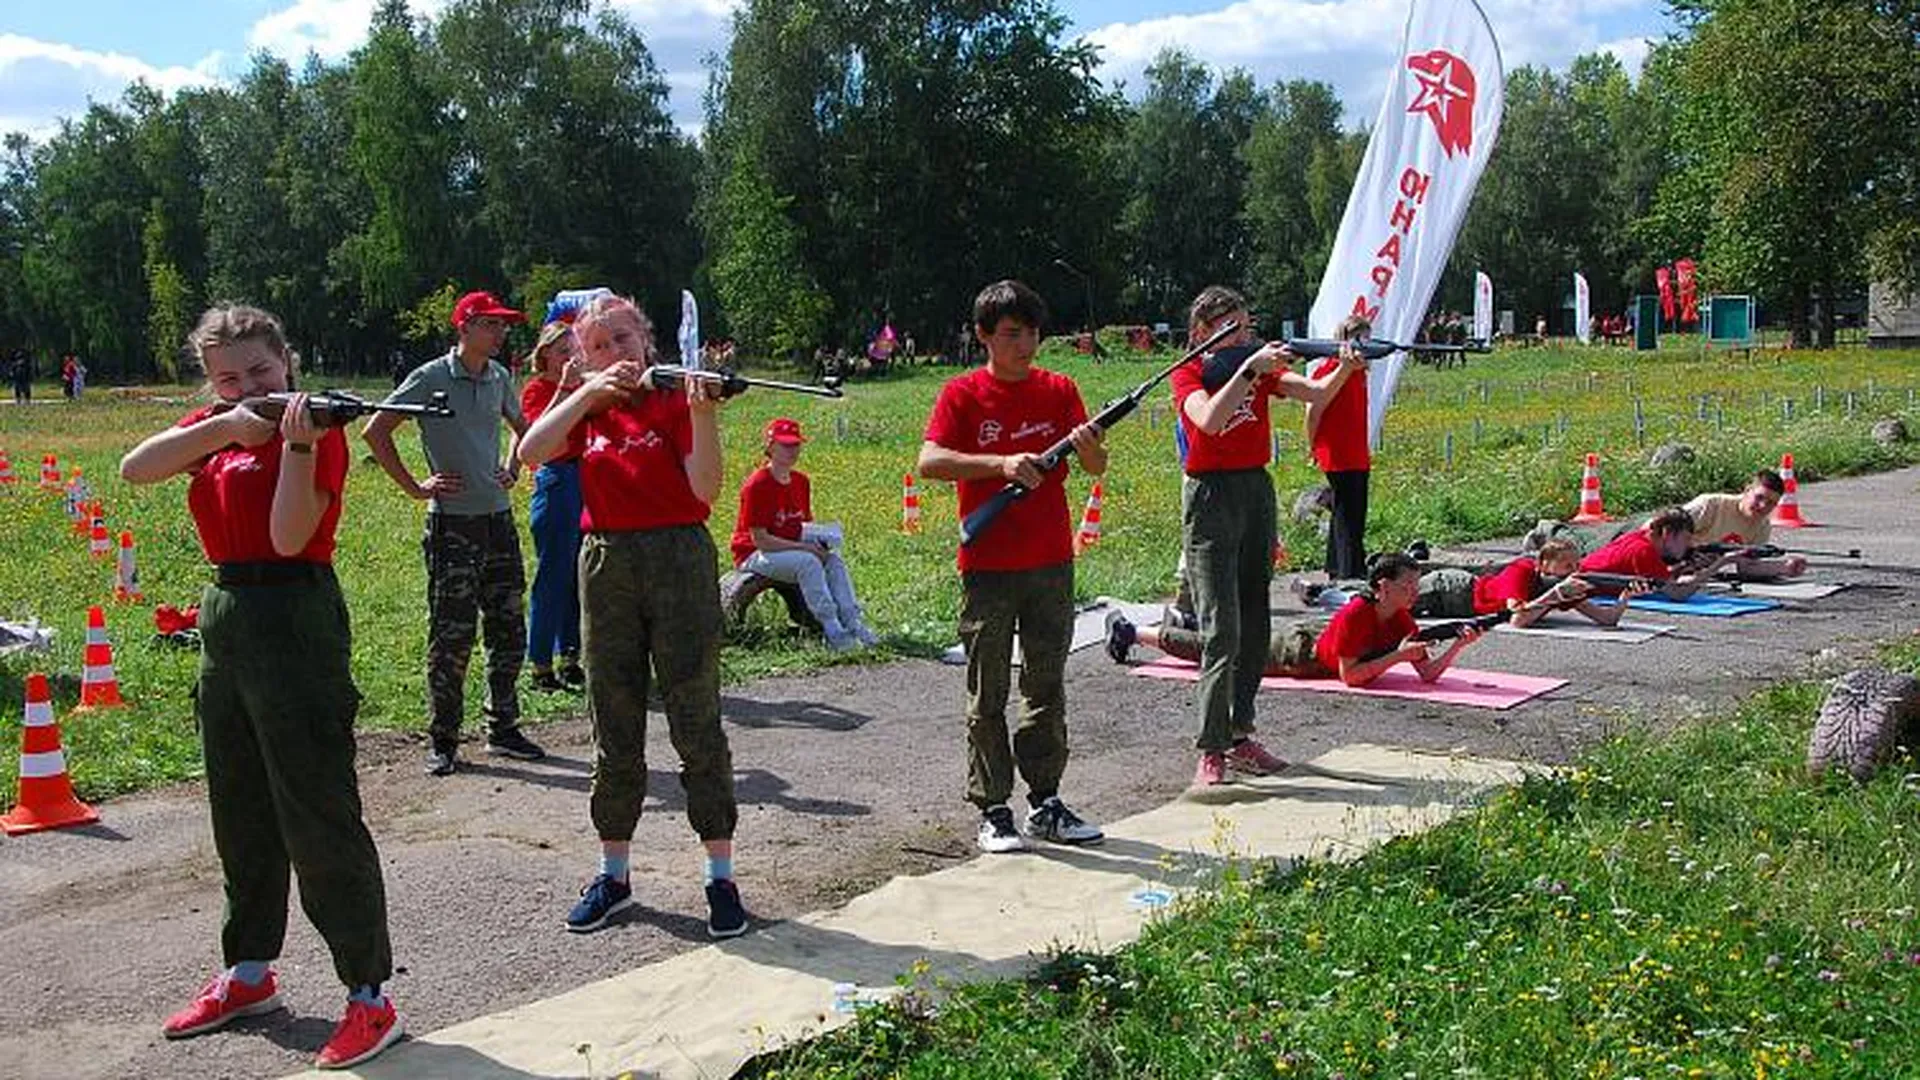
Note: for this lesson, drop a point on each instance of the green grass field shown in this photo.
(1519, 421)
(1677, 905)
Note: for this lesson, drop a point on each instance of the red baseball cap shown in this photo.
(479, 304)
(782, 430)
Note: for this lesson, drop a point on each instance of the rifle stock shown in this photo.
(1768, 551)
(1110, 414)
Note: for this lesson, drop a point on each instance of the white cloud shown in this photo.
(332, 28)
(42, 81)
(1631, 52)
(1351, 43)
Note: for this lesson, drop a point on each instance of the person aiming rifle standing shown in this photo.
(1337, 431)
(650, 469)
(1228, 521)
(275, 698)
(989, 428)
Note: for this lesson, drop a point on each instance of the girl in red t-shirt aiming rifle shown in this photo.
(771, 538)
(276, 700)
(1228, 519)
(650, 469)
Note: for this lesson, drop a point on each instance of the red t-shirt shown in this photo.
(231, 498)
(1515, 581)
(633, 469)
(1630, 553)
(766, 503)
(1340, 442)
(536, 398)
(1247, 440)
(979, 414)
(1358, 631)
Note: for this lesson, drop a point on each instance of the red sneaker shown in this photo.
(225, 999)
(1253, 759)
(1212, 771)
(363, 1032)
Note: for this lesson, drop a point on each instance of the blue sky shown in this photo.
(55, 54)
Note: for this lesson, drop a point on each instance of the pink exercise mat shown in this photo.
(1459, 686)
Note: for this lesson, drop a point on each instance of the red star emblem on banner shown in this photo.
(1446, 97)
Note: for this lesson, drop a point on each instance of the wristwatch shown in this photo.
(1249, 374)
(300, 447)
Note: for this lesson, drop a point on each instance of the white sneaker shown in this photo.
(997, 834)
(1053, 822)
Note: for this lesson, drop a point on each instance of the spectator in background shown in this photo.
(21, 371)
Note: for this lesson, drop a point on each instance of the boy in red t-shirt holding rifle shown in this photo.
(1228, 524)
(650, 469)
(989, 427)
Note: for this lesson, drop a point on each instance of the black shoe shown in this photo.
(727, 917)
(440, 759)
(546, 681)
(512, 743)
(1419, 552)
(1120, 636)
(573, 675)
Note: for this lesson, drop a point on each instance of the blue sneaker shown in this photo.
(727, 917)
(601, 900)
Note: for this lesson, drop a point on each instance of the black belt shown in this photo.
(280, 572)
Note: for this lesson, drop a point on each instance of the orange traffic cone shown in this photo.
(8, 481)
(909, 505)
(77, 505)
(1089, 533)
(1591, 508)
(46, 794)
(49, 473)
(99, 544)
(126, 577)
(1279, 552)
(99, 689)
(1787, 514)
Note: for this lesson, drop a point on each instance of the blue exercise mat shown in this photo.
(1721, 607)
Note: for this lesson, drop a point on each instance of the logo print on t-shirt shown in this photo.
(646, 440)
(1033, 427)
(1241, 415)
(989, 432)
(238, 463)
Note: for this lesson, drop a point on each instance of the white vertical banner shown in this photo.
(1435, 132)
(1482, 307)
(1582, 309)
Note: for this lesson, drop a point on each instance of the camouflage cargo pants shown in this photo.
(476, 585)
(650, 605)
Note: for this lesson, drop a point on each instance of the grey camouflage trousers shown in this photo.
(476, 587)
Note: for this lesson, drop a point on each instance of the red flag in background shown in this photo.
(1689, 297)
(1663, 277)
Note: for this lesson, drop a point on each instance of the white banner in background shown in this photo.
(1582, 309)
(1436, 130)
(1482, 307)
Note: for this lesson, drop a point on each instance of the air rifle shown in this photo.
(1110, 414)
(1767, 551)
(1608, 583)
(336, 408)
(1221, 365)
(1448, 630)
(732, 383)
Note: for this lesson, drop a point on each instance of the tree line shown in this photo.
(871, 160)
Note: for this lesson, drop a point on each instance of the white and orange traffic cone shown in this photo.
(46, 792)
(49, 473)
(1591, 508)
(77, 496)
(909, 505)
(126, 576)
(8, 481)
(1787, 514)
(99, 688)
(1089, 533)
(99, 544)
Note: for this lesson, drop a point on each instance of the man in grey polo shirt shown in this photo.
(475, 577)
